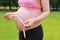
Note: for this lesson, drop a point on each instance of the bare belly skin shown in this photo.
(26, 14)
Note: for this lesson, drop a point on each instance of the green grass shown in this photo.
(51, 27)
(8, 30)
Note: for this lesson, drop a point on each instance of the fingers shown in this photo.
(8, 16)
(28, 23)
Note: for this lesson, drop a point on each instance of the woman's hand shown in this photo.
(8, 16)
(29, 22)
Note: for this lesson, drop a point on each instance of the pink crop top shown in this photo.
(29, 4)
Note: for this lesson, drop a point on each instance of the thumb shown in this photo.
(26, 22)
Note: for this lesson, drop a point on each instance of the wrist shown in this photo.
(36, 20)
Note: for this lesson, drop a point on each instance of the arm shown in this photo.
(11, 14)
(44, 14)
(46, 10)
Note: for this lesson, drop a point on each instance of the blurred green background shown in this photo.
(51, 25)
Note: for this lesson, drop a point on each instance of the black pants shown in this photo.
(33, 34)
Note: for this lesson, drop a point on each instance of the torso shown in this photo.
(28, 13)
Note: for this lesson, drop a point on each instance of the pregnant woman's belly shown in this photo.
(26, 14)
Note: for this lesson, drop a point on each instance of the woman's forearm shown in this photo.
(42, 16)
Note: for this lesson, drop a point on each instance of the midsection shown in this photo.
(26, 14)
